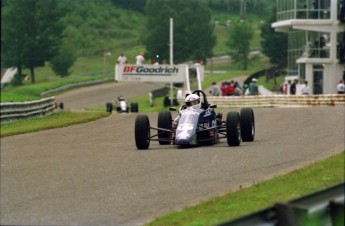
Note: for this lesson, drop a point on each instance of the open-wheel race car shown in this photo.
(196, 124)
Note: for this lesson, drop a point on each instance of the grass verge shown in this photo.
(143, 103)
(57, 120)
(298, 183)
(32, 91)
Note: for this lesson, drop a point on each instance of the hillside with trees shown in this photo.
(94, 32)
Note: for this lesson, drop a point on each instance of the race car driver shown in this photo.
(192, 101)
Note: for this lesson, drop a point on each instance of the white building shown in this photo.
(316, 48)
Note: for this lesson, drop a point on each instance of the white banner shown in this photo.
(151, 73)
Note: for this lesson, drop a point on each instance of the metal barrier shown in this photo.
(76, 85)
(323, 208)
(278, 100)
(12, 111)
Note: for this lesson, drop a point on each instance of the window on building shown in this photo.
(303, 9)
(318, 79)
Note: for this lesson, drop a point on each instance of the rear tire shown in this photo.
(233, 129)
(142, 132)
(247, 124)
(134, 107)
(165, 122)
(109, 107)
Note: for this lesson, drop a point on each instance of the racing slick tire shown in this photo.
(247, 124)
(233, 129)
(142, 132)
(109, 107)
(165, 122)
(61, 105)
(134, 107)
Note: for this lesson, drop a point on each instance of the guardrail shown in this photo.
(76, 85)
(12, 111)
(278, 100)
(323, 208)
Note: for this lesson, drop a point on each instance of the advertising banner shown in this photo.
(151, 73)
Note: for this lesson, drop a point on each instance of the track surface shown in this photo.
(78, 99)
(92, 174)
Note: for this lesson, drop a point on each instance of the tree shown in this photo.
(62, 62)
(240, 36)
(31, 33)
(138, 5)
(193, 30)
(274, 44)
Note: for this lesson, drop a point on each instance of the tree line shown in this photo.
(36, 32)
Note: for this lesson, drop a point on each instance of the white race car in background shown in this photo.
(122, 106)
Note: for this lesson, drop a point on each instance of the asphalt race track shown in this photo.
(78, 99)
(92, 174)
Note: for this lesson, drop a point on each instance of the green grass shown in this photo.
(222, 32)
(57, 120)
(232, 71)
(298, 183)
(145, 106)
(269, 84)
(32, 91)
(143, 102)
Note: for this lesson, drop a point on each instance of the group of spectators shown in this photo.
(122, 59)
(233, 88)
(305, 88)
(139, 59)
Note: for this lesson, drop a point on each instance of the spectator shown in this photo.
(245, 87)
(231, 89)
(305, 88)
(315, 9)
(155, 62)
(238, 90)
(140, 59)
(293, 87)
(253, 88)
(224, 88)
(341, 87)
(215, 89)
(122, 59)
(197, 62)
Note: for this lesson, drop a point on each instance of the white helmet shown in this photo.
(193, 100)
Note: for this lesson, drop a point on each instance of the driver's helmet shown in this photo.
(193, 100)
(120, 98)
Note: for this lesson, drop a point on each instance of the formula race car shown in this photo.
(122, 106)
(196, 126)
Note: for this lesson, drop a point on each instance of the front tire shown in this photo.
(165, 122)
(247, 124)
(233, 129)
(142, 132)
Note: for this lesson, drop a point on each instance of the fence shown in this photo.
(12, 111)
(278, 100)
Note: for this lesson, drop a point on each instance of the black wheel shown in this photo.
(247, 124)
(233, 129)
(109, 107)
(142, 132)
(134, 107)
(165, 122)
(61, 105)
